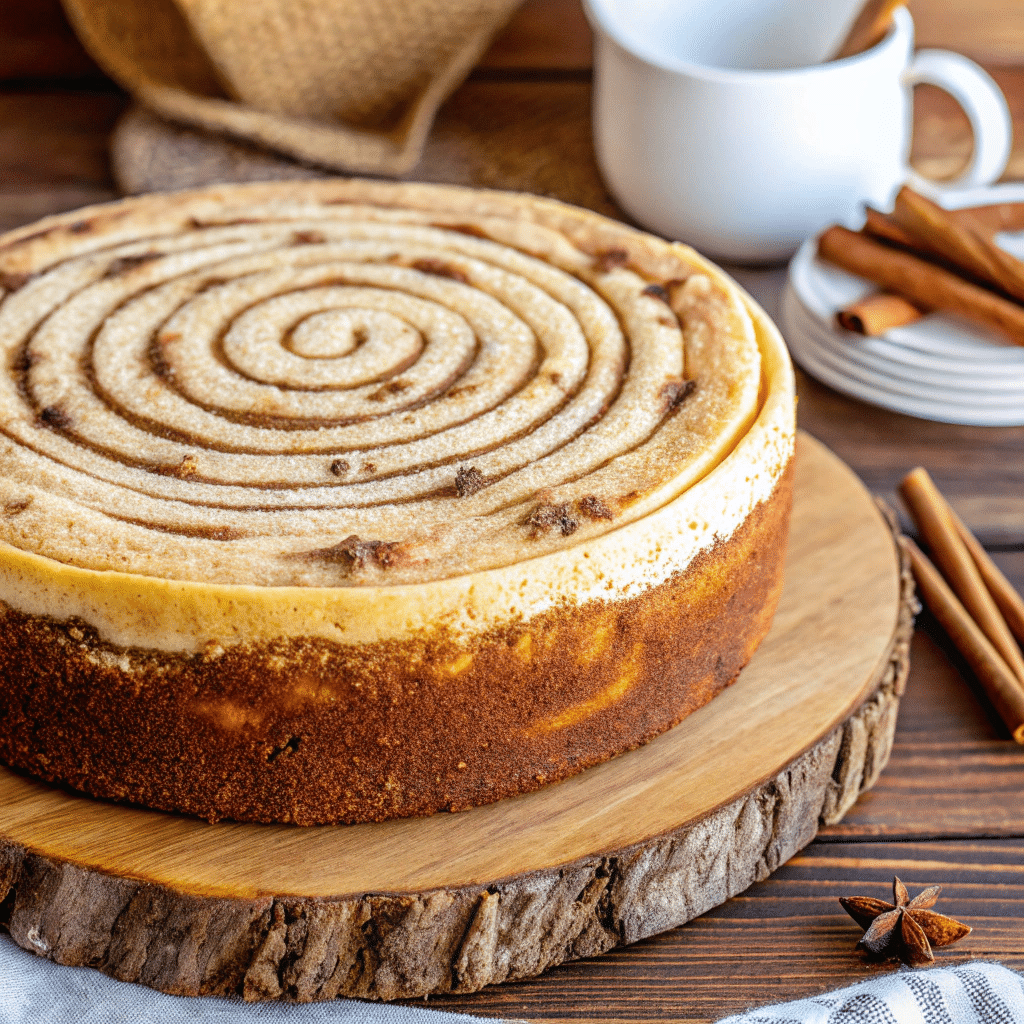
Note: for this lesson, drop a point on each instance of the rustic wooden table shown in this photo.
(950, 806)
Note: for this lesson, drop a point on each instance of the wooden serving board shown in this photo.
(454, 902)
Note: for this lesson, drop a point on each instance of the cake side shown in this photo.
(310, 731)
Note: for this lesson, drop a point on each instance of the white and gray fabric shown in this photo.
(36, 991)
(973, 993)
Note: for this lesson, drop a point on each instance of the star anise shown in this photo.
(906, 931)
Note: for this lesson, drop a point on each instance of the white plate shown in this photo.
(912, 368)
(810, 334)
(939, 368)
(884, 389)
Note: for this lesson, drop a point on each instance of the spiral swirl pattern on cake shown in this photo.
(320, 392)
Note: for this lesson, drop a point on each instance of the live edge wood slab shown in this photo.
(454, 902)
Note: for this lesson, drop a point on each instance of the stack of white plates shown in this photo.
(939, 368)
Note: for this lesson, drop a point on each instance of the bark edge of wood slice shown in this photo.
(176, 904)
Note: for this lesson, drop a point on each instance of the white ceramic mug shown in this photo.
(715, 125)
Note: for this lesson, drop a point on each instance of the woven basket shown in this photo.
(350, 85)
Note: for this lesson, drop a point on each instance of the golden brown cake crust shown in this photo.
(311, 732)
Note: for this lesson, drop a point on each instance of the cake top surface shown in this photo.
(353, 383)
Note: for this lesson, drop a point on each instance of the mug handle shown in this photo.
(983, 103)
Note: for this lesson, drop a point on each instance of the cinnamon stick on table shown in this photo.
(929, 511)
(920, 282)
(1002, 688)
(1010, 603)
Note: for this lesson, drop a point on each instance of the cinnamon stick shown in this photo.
(995, 217)
(877, 313)
(920, 282)
(868, 28)
(959, 240)
(999, 683)
(929, 511)
(882, 226)
(1010, 603)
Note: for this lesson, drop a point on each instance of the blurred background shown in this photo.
(521, 120)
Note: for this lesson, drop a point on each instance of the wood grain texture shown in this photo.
(38, 43)
(53, 152)
(543, 35)
(943, 141)
(54, 139)
(456, 902)
(954, 771)
(990, 31)
(1012, 565)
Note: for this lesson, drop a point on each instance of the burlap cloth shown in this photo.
(350, 85)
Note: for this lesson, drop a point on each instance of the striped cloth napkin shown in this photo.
(35, 991)
(973, 993)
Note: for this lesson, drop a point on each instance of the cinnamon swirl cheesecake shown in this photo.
(344, 501)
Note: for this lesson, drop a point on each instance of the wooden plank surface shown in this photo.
(990, 31)
(544, 35)
(980, 469)
(53, 152)
(942, 138)
(36, 42)
(948, 808)
(954, 770)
